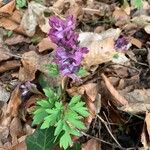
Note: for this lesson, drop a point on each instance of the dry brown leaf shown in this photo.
(15, 130)
(147, 28)
(8, 8)
(31, 63)
(17, 16)
(120, 16)
(92, 144)
(144, 140)
(9, 113)
(137, 95)
(147, 120)
(4, 54)
(8, 24)
(4, 95)
(101, 46)
(46, 44)
(9, 65)
(99, 52)
(119, 98)
(136, 108)
(136, 42)
(30, 66)
(33, 15)
(16, 39)
(19, 146)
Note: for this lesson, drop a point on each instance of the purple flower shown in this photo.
(122, 44)
(69, 54)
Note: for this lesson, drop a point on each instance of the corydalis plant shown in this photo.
(67, 119)
(69, 54)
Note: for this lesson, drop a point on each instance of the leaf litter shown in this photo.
(115, 89)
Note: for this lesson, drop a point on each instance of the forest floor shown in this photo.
(116, 87)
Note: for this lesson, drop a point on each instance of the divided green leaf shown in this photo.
(41, 140)
(21, 3)
(52, 69)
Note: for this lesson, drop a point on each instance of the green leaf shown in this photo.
(76, 123)
(82, 72)
(74, 100)
(138, 3)
(52, 69)
(59, 127)
(65, 140)
(43, 103)
(41, 140)
(39, 116)
(9, 33)
(49, 92)
(21, 3)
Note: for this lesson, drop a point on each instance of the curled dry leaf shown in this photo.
(15, 130)
(31, 63)
(46, 44)
(119, 98)
(92, 144)
(147, 120)
(101, 46)
(8, 8)
(32, 17)
(9, 65)
(10, 112)
(136, 42)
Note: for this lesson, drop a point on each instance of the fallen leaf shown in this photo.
(8, 8)
(9, 65)
(4, 53)
(135, 108)
(17, 16)
(147, 28)
(120, 16)
(46, 44)
(4, 95)
(8, 24)
(92, 144)
(19, 146)
(147, 120)
(119, 98)
(15, 130)
(31, 63)
(16, 39)
(101, 46)
(31, 17)
(144, 139)
(137, 95)
(136, 42)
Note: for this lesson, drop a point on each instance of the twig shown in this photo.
(90, 136)
(109, 131)
(13, 55)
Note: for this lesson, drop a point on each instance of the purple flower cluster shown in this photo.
(69, 54)
(122, 44)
